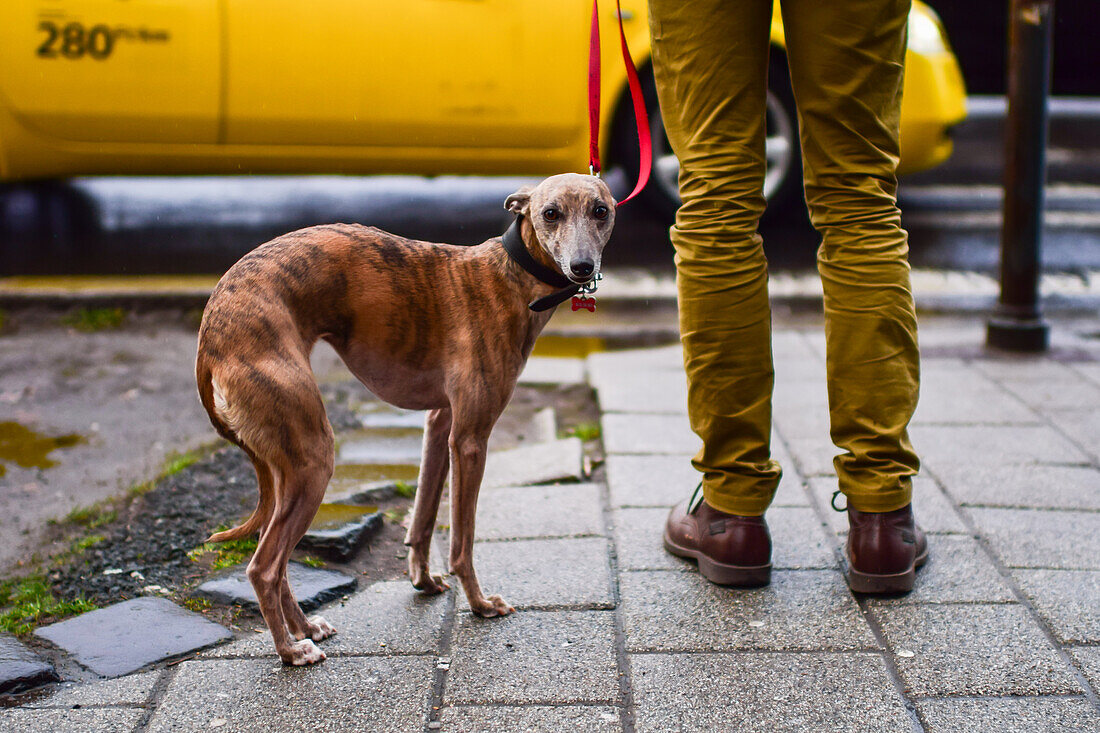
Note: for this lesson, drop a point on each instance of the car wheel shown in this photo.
(783, 179)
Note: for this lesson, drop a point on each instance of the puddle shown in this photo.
(381, 446)
(24, 447)
(351, 474)
(335, 516)
(576, 347)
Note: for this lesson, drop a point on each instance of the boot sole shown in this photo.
(882, 584)
(720, 573)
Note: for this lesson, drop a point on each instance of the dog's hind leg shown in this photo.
(433, 472)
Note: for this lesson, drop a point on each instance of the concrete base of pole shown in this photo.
(1030, 335)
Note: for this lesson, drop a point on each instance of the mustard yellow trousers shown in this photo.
(846, 58)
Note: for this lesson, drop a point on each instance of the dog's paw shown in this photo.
(319, 629)
(492, 606)
(430, 584)
(302, 653)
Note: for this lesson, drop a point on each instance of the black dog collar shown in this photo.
(513, 245)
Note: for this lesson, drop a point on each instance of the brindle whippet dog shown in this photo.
(434, 327)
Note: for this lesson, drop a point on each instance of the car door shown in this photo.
(409, 75)
(113, 70)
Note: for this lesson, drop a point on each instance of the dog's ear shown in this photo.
(517, 202)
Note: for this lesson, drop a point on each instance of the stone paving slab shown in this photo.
(1068, 600)
(649, 434)
(662, 357)
(1068, 392)
(127, 636)
(552, 370)
(389, 617)
(541, 463)
(381, 446)
(765, 692)
(544, 573)
(800, 610)
(1088, 661)
(932, 508)
(973, 650)
(132, 690)
(20, 668)
(812, 456)
(1046, 714)
(963, 396)
(1029, 538)
(85, 720)
(957, 571)
(311, 586)
(534, 657)
(992, 444)
(340, 694)
(526, 512)
(1083, 425)
(1036, 486)
(798, 540)
(530, 719)
(339, 531)
(801, 408)
(641, 391)
(650, 481)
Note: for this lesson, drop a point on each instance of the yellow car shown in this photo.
(95, 87)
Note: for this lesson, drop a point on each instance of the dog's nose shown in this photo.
(581, 268)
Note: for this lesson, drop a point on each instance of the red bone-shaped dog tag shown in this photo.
(581, 301)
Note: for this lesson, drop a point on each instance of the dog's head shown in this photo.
(572, 216)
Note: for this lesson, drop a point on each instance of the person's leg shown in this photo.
(847, 65)
(710, 60)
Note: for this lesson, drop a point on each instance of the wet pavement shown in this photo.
(612, 633)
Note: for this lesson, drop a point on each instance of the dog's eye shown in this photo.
(551, 215)
(601, 212)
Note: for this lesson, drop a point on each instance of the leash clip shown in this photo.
(590, 287)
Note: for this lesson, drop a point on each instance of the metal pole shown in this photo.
(1017, 324)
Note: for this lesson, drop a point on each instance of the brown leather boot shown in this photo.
(884, 550)
(730, 549)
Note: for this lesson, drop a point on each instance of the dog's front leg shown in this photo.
(433, 472)
(468, 447)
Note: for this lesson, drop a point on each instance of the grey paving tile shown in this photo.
(649, 434)
(932, 508)
(540, 463)
(654, 481)
(311, 586)
(992, 445)
(973, 650)
(1070, 391)
(957, 571)
(40, 720)
(1083, 425)
(389, 617)
(127, 636)
(663, 357)
(1087, 659)
(132, 690)
(648, 391)
(544, 573)
(798, 540)
(765, 692)
(801, 408)
(661, 481)
(1035, 369)
(530, 718)
(802, 609)
(552, 370)
(534, 657)
(382, 446)
(812, 456)
(1068, 600)
(558, 510)
(20, 668)
(339, 694)
(1035, 486)
(964, 396)
(1033, 538)
(1046, 714)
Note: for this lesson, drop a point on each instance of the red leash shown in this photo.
(645, 146)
